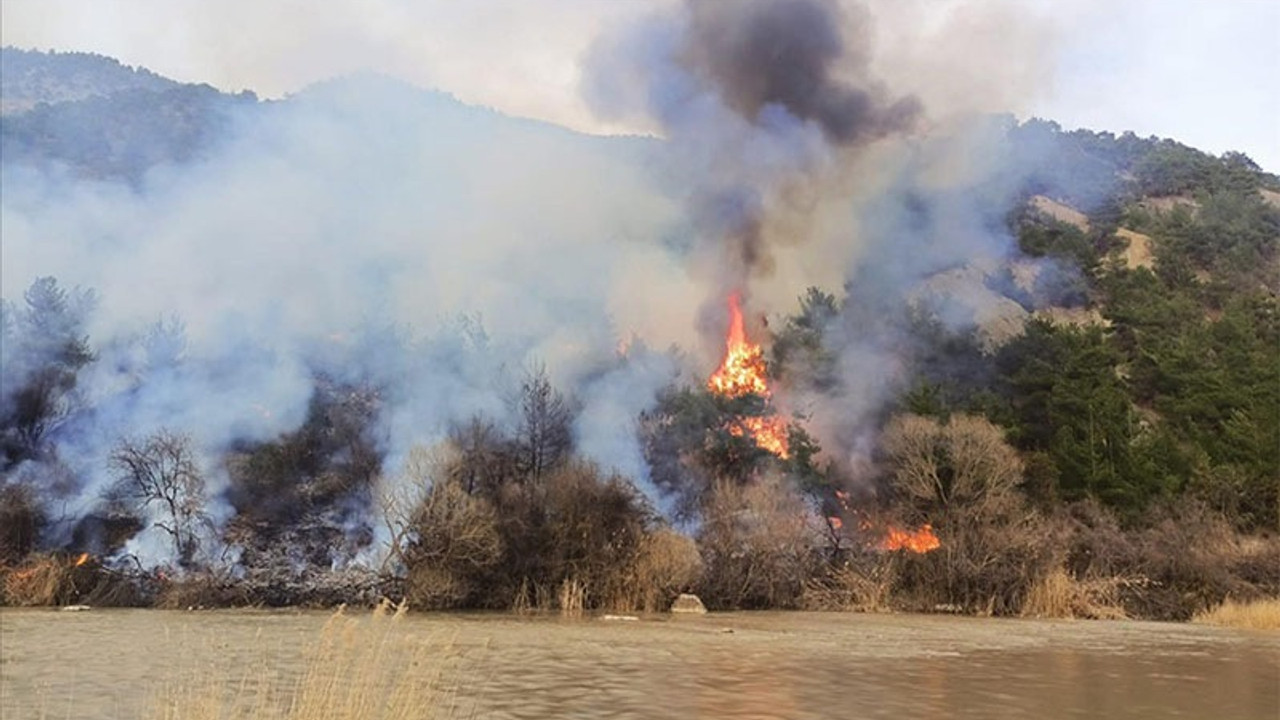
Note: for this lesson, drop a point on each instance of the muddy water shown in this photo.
(110, 664)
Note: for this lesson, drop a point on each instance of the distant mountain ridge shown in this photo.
(31, 77)
(100, 118)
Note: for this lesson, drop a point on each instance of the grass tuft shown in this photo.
(1261, 614)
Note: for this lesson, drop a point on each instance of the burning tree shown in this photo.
(743, 373)
(160, 470)
(728, 430)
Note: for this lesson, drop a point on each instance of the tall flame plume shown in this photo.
(742, 372)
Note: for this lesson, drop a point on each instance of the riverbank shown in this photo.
(1231, 587)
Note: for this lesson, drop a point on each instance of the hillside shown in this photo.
(377, 340)
(30, 77)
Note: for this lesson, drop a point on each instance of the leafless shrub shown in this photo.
(861, 582)
(456, 540)
(21, 520)
(666, 564)
(400, 498)
(1189, 553)
(964, 464)
(962, 477)
(757, 545)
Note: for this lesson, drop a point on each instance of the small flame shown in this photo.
(84, 558)
(921, 540)
(743, 373)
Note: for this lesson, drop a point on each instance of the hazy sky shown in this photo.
(1201, 71)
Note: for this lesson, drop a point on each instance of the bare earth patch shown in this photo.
(1079, 317)
(1167, 203)
(1138, 251)
(1060, 212)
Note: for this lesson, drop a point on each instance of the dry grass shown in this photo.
(41, 580)
(361, 668)
(1261, 614)
(573, 597)
(1061, 212)
(1058, 595)
(864, 587)
(1054, 596)
(666, 564)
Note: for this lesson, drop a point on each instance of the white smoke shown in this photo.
(372, 232)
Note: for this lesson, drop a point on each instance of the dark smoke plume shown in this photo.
(787, 53)
(761, 102)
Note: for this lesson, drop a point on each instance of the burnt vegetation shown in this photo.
(1124, 466)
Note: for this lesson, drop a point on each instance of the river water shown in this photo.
(109, 664)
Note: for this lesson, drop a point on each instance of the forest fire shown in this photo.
(84, 558)
(920, 540)
(743, 373)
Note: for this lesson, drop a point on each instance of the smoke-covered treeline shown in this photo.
(367, 334)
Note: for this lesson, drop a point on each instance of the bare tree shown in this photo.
(546, 435)
(400, 498)
(963, 463)
(161, 470)
(962, 477)
(485, 459)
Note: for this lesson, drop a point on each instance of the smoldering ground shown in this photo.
(373, 233)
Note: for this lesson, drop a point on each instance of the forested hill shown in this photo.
(103, 119)
(1154, 374)
(31, 77)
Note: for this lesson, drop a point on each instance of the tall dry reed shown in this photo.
(370, 668)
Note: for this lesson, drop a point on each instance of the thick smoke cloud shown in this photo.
(805, 56)
(762, 105)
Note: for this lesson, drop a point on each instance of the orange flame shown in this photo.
(743, 373)
(84, 558)
(770, 433)
(919, 541)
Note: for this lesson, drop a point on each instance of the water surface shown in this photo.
(794, 666)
